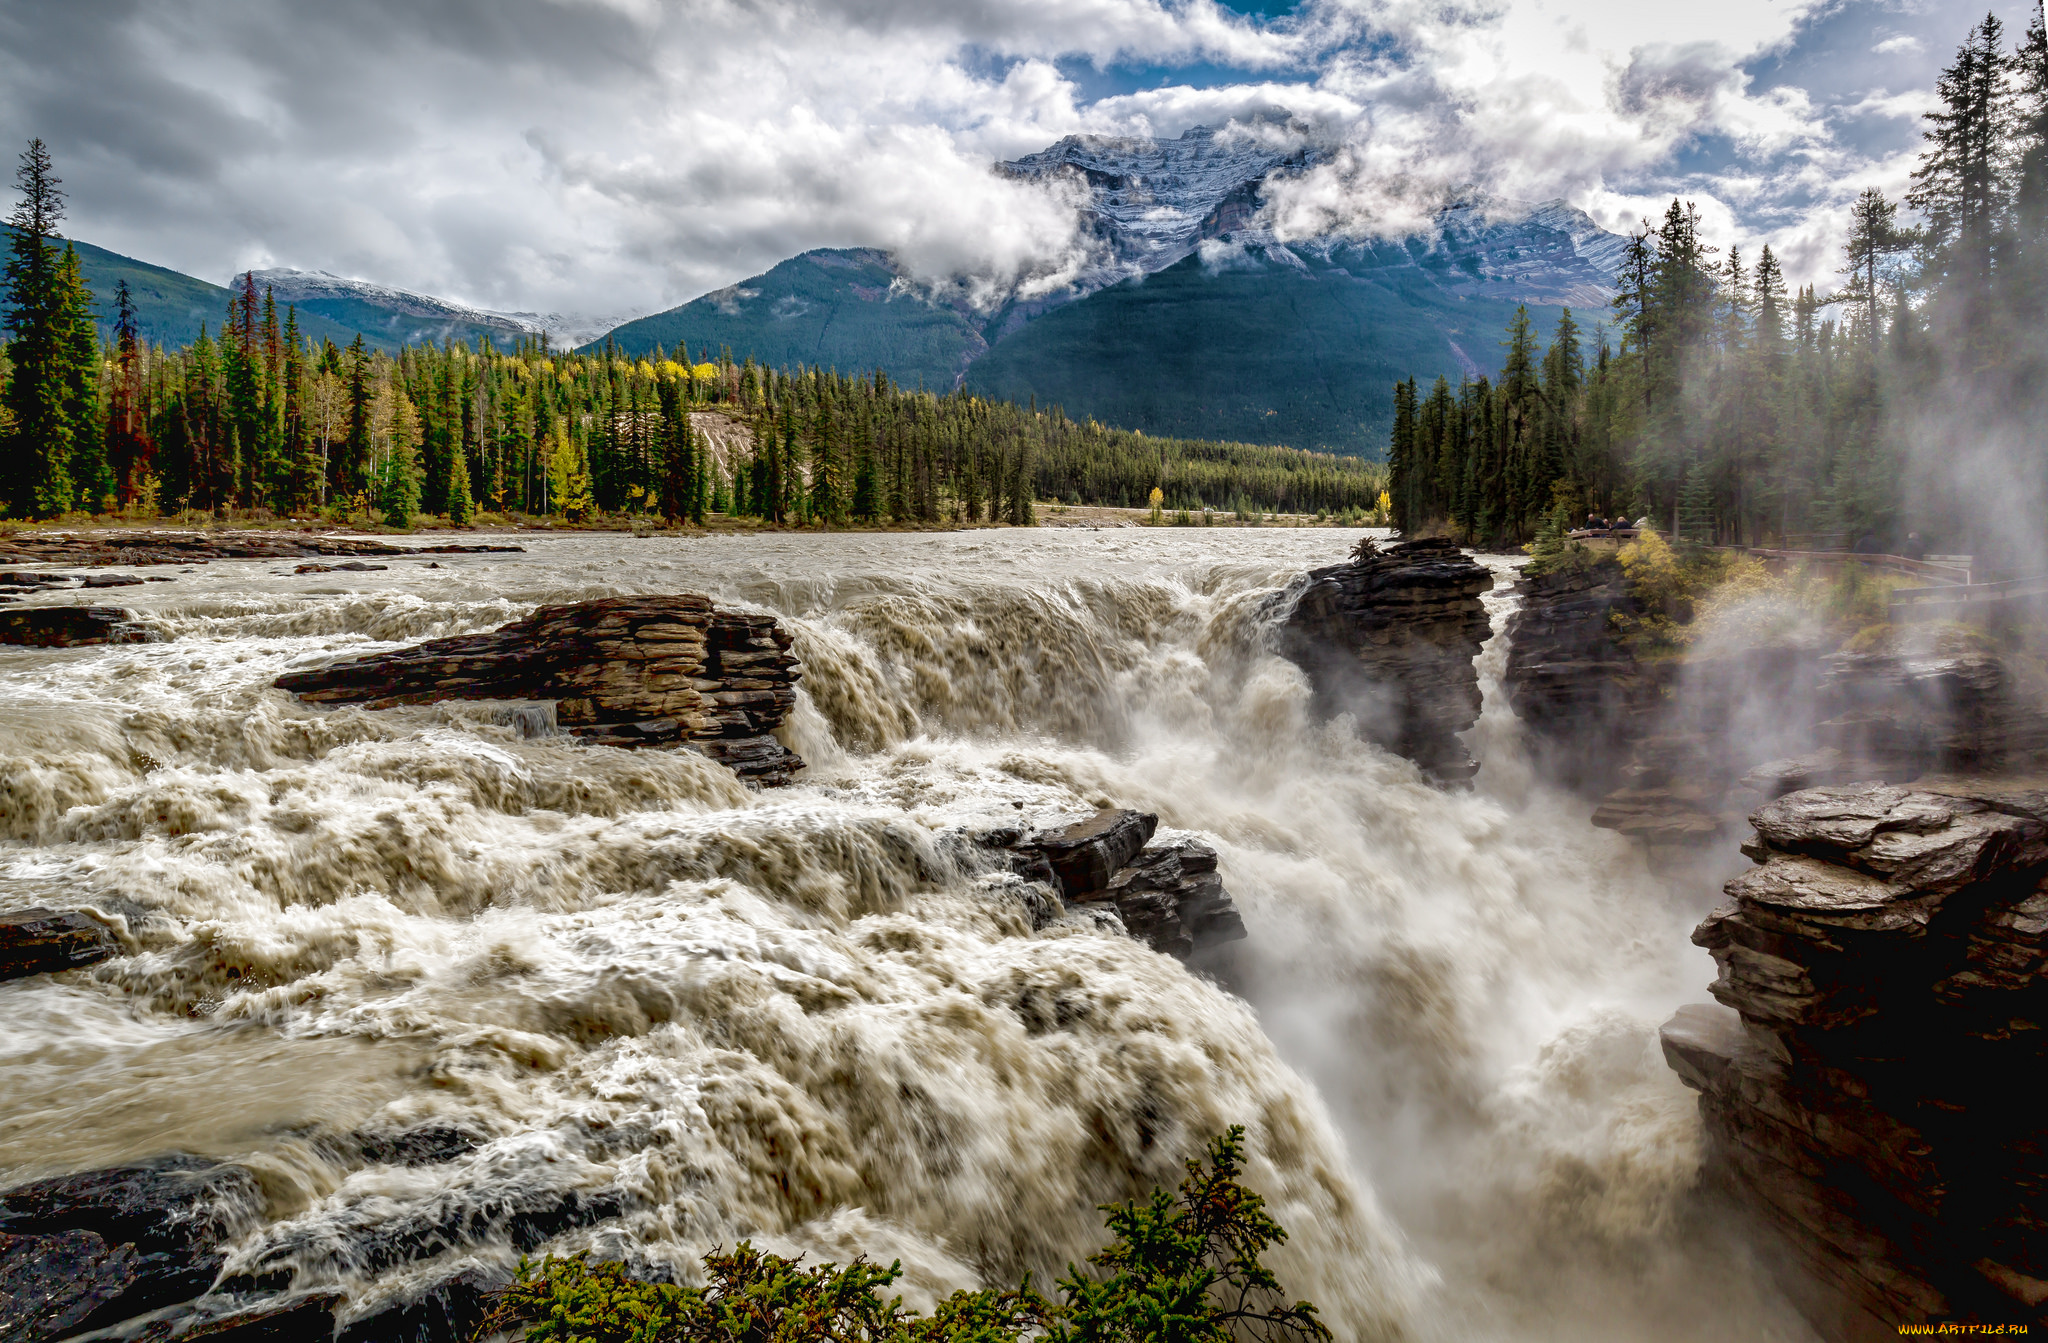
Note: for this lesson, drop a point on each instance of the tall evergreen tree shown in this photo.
(38, 454)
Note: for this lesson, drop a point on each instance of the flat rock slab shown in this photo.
(41, 941)
(73, 627)
(1086, 854)
(663, 671)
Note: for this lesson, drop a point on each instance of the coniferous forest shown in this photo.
(258, 418)
(1908, 398)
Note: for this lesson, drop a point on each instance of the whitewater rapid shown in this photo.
(698, 1014)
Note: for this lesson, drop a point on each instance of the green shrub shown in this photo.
(1183, 1268)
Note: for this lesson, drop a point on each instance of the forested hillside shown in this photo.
(1908, 398)
(265, 417)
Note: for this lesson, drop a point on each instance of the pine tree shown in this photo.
(38, 453)
(130, 449)
(92, 482)
(1874, 236)
(350, 468)
(1959, 187)
(398, 486)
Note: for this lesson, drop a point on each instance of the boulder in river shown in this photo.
(1871, 1083)
(1167, 895)
(1390, 638)
(88, 1251)
(622, 671)
(38, 941)
(73, 626)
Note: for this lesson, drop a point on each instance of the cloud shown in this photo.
(614, 154)
(1899, 44)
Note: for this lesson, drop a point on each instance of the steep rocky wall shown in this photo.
(1872, 1085)
(1390, 638)
(622, 671)
(1678, 748)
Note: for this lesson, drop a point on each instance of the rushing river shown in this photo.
(707, 1014)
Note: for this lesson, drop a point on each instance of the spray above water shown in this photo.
(450, 993)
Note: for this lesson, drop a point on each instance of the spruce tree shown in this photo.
(92, 482)
(129, 445)
(398, 486)
(1959, 187)
(37, 454)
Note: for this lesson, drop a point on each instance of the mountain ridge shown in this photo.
(1186, 216)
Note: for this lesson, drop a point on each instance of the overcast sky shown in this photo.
(627, 155)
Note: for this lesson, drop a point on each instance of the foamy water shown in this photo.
(805, 1016)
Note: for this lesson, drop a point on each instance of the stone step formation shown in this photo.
(1107, 870)
(1389, 638)
(670, 671)
(1872, 1084)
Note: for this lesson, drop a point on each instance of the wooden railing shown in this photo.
(1934, 603)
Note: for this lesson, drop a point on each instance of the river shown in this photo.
(636, 988)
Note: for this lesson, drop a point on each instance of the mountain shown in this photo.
(1192, 318)
(847, 309)
(390, 317)
(169, 305)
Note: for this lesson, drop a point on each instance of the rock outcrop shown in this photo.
(1582, 696)
(84, 1252)
(40, 941)
(1391, 638)
(160, 547)
(1678, 748)
(621, 671)
(1872, 1085)
(1167, 895)
(73, 627)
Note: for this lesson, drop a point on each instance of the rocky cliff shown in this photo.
(622, 671)
(1871, 1086)
(1679, 747)
(1390, 638)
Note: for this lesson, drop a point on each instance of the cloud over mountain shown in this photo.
(607, 154)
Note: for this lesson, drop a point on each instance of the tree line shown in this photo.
(259, 417)
(1730, 409)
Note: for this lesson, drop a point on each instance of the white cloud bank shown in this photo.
(606, 154)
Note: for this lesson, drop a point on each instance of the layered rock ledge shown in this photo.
(673, 671)
(169, 547)
(73, 627)
(1106, 868)
(1871, 1086)
(1390, 638)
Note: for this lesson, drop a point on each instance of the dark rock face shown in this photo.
(72, 627)
(1678, 749)
(40, 941)
(623, 671)
(1582, 696)
(1167, 895)
(82, 1252)
(1390, 638)
(1086, 854)
(1875, 1091)
(1901, 715)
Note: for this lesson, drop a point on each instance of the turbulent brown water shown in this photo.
(796, 1016)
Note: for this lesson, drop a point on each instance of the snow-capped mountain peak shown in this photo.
(423, 316)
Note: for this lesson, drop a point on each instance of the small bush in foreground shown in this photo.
(1183, 1268)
